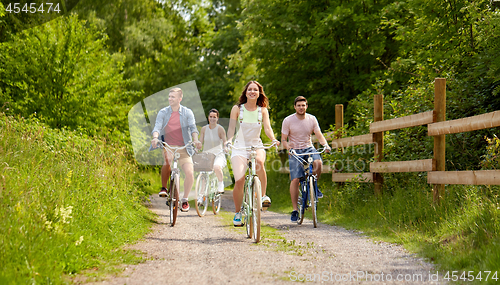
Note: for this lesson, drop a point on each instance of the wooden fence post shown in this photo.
(339, 120)
(378, 138)
(339, 124)
(440, 140)
(339, 117)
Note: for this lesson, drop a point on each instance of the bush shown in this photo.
(68, 202)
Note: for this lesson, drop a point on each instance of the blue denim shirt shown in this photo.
(188, 124)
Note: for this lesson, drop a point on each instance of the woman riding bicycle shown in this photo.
(252, 114)
(213, 137)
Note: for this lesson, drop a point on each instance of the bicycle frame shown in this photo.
(251, 205)
(307, 197)
(210, 188)
(251, 173)
(208, 192)
(173, 198)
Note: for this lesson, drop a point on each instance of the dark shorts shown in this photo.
(296, 168)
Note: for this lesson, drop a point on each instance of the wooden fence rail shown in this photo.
(479, 177)
(403, 122)
(403, 166)
(479, 122)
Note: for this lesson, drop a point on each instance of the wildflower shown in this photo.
(79, 241)
(65, 214)
(48, 224)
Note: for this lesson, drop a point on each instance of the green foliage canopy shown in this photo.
(216, 76)
(324, 50)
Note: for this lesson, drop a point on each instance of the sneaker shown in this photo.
(237, 222)
(163, 192)
(266, 201)
(221, 188)
(185, 205)
(295, 216)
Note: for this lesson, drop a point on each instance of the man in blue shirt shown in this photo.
(176, 124)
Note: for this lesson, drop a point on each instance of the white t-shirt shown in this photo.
(299, 131)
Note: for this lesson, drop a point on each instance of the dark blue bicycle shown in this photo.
(307, 198)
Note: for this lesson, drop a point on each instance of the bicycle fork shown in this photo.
(305, 191)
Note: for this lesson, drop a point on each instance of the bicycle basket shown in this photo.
(203, 161)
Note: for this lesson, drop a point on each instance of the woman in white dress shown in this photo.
(213, 137)
(252, 114)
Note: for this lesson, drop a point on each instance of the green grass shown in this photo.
(462, 233)
(68, 203)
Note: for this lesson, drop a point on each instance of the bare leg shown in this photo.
(317, 167)
(189, 179)
(294, 193)
(218, 172)
(261, 170)
(165, 169)
(239, 168)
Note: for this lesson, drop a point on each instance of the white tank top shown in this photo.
(249, 132)
(212, 142)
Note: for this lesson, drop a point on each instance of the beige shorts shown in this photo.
(183, 159)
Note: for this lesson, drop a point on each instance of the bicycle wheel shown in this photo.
(256, 208)
(201, 202)
(174, 196)
(302, 202)
(247, 210)
(217, 197)
(312, 193)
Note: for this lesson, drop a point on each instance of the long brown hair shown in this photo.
(262, 101)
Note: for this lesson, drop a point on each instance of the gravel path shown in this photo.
(209, 250)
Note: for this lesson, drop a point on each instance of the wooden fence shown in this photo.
(437, 127)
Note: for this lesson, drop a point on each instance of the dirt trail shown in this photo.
(208, 250)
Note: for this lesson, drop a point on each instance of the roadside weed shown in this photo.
(68, 202)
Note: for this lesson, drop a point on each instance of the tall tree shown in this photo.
(62, 73)
(154, 36)
(25, 14)
(324, 50)
(215, 77)
(114, 16)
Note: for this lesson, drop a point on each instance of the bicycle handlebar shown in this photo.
(293, 152)
(249, 148)
(175, 148)
(216, 154)
(300, 159)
